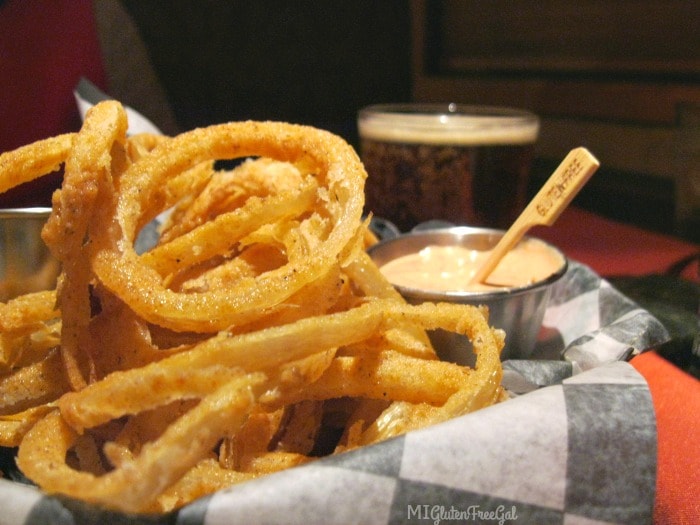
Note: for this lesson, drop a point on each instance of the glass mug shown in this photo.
(463, 164)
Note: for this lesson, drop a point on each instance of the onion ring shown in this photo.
(131, 391)
(118, 266)
(136, 484)
(88, 171)
(34, 160)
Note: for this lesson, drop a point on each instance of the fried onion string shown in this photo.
(251, 332)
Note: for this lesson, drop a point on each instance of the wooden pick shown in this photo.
(556, 194)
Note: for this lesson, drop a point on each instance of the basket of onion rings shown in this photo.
(253, 336)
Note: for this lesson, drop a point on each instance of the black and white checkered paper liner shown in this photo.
(575, 444)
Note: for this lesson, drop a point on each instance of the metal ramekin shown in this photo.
(518, 311)
(26, 264)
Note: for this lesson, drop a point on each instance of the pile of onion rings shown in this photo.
(255, 335)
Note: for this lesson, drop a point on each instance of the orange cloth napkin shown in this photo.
(676, 398)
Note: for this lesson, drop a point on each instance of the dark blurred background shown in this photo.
(305, 61)
(622, 78)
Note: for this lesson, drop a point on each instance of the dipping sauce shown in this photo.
(451, 268)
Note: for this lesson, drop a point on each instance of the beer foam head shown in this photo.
(448, 124)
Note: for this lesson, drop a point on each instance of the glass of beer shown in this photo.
(468, 165)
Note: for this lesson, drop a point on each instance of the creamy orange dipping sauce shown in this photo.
(450, 268)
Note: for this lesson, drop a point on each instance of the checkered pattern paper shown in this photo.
(576, 444)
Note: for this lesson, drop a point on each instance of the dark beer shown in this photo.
(471, 170)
